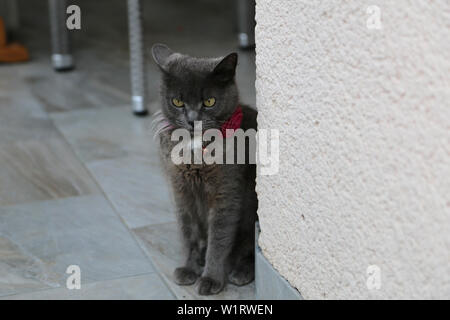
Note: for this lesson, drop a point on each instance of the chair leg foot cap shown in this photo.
(142, 113)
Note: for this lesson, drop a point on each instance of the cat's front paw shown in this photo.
(185, 276)
(242, 275)
(208, 286)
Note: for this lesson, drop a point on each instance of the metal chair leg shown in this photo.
(246, 23)
(137, 62)
(62, 59)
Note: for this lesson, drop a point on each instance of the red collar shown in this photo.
(234, 122)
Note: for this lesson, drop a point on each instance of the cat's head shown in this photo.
(196, 89)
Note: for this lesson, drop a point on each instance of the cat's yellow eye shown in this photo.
(209, 102)
(177, 103)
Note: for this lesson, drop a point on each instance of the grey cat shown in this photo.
(216, 204)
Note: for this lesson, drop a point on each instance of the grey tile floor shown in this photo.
(80, 178)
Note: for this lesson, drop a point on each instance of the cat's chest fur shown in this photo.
(200, 178)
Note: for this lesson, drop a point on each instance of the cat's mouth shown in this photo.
(200, 125)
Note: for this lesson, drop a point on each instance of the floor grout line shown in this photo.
(157, 269)
(121, 219)
(85, 283)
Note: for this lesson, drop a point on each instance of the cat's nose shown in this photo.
(191, 117)
(191, 123)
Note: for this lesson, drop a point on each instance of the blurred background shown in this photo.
(80, 181)
(101, 47)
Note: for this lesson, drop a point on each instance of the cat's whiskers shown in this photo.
(159, 124)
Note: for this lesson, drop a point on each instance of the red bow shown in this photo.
(234, 122)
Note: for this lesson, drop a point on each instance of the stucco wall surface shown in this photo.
(364, 121)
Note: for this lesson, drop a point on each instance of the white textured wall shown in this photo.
(364, 120)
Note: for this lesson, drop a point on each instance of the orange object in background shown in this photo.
(11, 52)
(2, 34)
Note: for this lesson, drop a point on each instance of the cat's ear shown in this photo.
(161, 54)
(226, 68)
